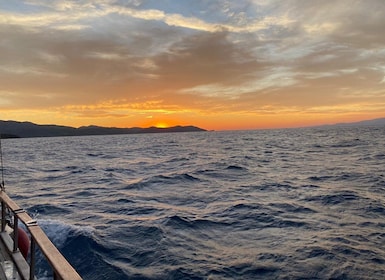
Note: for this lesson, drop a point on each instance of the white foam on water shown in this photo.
(58, 231)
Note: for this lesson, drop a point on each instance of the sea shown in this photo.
(304, 203)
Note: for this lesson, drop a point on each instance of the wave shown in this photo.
(59, 231)
(335, 198)
(276, 186)
(48, 209)
(80, 246)
(235, 167)
(292, 208)
(178, 222)
(342, 177)
(174, 179)
(346, 143)
(250, 270)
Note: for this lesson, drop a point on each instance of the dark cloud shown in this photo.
(206, 58)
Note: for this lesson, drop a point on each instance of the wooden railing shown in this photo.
(62, 270)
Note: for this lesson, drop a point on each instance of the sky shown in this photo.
(216, 64)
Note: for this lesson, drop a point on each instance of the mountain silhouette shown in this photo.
(14, 129)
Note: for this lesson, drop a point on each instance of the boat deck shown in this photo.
(8, 269)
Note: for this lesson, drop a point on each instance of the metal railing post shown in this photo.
(32, 259)
(3, 210)
(15, 233)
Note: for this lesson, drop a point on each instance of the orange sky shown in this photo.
(217, 64)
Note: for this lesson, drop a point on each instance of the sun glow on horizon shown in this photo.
(161, 125)
(213, 121)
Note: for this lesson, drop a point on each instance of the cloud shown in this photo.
(206, 58)
(229, 56)
(64, 15)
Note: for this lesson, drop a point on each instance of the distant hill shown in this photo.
(380, 121)
(374, 122)
(14, 129)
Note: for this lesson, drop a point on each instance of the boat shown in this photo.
(20, 238)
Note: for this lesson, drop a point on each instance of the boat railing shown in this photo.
(61, 268)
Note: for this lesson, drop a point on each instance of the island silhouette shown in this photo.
(15, 129)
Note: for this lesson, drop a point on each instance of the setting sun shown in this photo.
(161, 125)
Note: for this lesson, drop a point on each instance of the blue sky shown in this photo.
(217, 64)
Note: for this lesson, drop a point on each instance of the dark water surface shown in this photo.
(276, 204)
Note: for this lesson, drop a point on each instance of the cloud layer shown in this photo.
(254, 60)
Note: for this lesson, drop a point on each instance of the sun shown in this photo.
(161, 125)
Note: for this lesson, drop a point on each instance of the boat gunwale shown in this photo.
(62, 269)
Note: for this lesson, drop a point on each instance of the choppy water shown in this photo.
(275, 204)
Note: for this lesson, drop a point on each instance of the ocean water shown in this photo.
(266, 204)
